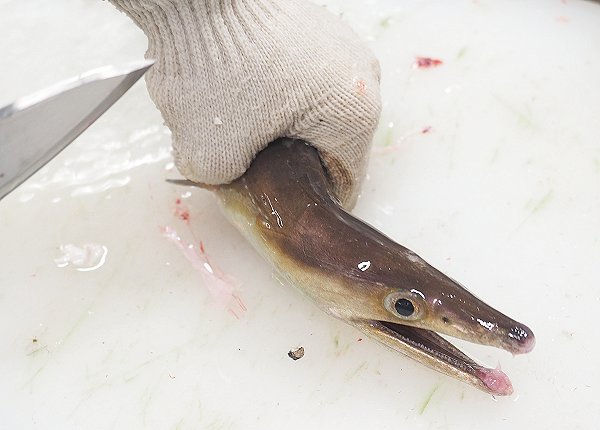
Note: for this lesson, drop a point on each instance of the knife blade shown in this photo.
(35, 128)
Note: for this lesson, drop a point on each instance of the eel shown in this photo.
(283, 205)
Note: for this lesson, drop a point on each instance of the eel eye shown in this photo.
(404, 307)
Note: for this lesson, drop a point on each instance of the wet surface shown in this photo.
(500, 192)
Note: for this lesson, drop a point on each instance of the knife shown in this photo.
(35, 128)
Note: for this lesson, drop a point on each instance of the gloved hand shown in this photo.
(231, 76)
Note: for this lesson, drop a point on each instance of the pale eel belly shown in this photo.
(283, 206)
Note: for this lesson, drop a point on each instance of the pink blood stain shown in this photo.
(426, 62)
(220, 285)
(426, 129)
(495, 380)
(361, 86)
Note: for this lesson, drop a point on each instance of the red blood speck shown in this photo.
(426, 129)
(201, 247)
(181, 211)
(426, 62)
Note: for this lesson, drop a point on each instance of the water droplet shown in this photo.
(90, 256)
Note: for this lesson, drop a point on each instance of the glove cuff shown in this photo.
(178, 30)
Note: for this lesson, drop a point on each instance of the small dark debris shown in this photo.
(296, 354)
(34, 340)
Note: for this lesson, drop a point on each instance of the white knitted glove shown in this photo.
(233, 75)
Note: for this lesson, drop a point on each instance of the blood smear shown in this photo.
(220, 285)
(182, 212)
(426, 62)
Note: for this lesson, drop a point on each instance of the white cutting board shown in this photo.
(502, 193)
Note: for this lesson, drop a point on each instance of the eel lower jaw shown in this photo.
(429, 348)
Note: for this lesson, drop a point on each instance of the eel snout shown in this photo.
(455, 311)
(489, 327)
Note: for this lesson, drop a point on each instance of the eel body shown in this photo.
(283, 206)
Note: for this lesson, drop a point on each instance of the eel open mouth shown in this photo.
(430, 348)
